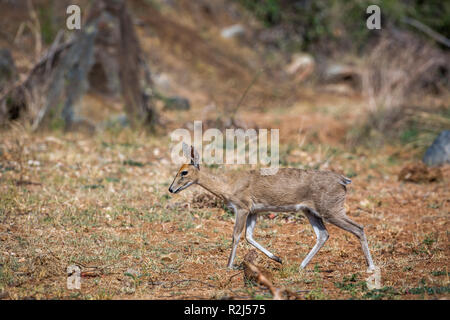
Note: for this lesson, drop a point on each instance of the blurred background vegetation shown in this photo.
(341, 25)
(401, 71)
(85, 147)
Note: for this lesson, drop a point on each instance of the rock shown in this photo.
(176, 103)
(302, 66)
(162, 81)
(232, 31)
(34, 163)
(337, 73)
(439, 152)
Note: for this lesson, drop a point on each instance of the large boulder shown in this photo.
(439, 152)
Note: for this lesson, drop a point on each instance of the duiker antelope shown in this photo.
(319, 194)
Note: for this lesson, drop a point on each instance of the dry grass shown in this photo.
(397, 73)
(102, 203)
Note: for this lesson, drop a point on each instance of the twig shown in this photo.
(188, 297)
(93, 268)
(36, 29)
(395, 199)
(302, 291)
(234, 111)
(427, 30)
(171, 284)
(262, 279)
(229, 280)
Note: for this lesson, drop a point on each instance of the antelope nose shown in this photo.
(170, 190)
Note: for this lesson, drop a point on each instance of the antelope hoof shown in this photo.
(277, 259)
(371, 269)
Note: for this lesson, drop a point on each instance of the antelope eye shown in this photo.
(183, 173)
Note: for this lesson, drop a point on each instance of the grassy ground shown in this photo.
(101, 202)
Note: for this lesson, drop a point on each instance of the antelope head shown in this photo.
(188, 173)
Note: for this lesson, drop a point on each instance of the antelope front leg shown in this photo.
(251, 222)
(241, 217)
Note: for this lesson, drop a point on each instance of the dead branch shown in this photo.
(58, 81)
(231, 278)
(171, 284)
(35, 27)
(263, 277)
(427, 30)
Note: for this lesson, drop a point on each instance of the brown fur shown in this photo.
(319, 190)
(319, 194)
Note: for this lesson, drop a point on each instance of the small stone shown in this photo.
(34, 163)
(232, 31)
(162, 80)
(302, 66)
(364, 203)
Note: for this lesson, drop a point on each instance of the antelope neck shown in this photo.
(215, 184)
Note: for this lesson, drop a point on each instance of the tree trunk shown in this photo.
(58, 82)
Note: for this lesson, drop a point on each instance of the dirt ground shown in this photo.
(101, 202)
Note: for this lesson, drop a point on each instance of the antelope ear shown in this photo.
(186, 150)
(195, 158)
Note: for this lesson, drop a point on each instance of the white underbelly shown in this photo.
(287, 208)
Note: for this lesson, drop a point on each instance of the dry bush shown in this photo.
(420, 173)
(206, 200)
(399, 70)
